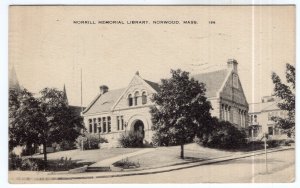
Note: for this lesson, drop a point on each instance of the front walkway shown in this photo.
(108, 162)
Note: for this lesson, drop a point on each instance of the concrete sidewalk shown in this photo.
(23, 177)
(110, 161)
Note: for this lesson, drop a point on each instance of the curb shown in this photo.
(156, 170)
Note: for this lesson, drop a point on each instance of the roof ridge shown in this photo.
(210, 72)
(273, 102)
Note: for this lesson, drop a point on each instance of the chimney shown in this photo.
(232, 65)
(103, 89)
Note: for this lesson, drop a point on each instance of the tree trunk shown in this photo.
(182, 151)
(45, 154)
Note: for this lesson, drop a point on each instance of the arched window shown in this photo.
(144, 98)
(136, 95)
(130, 100)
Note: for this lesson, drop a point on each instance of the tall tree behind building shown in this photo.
(286, 92)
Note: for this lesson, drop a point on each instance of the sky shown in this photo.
(48, 50)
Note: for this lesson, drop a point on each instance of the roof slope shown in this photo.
(104, 103)
(213, 81)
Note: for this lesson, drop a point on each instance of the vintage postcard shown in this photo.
(152, 94)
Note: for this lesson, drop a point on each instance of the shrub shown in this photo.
(131, 140)
(89, 141)
(255, 145)
(65, 145)
(37, 164)
(31, 164)
(273, 143)
(14, 161)
(288, 142)
(28, 150)
(126, 164)
(224, 135)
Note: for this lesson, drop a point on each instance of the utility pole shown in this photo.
(266, 156)
(82, 147)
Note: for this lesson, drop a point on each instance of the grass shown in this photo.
(88, 156)
(166, 156)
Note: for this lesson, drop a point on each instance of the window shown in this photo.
(104, 124)
(144, 98)
(122, 122)
(228, 111)
(90, 125)
(108, 124)
(270, 130)
(136, 95)
(95, 126)
(130, 100)
(99, 125)
(118, 122)
(255, 118)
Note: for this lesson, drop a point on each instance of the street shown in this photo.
(281, 168)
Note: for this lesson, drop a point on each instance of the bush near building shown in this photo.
(65, 145)
(89, 141)
(130, 140)
(223, 135)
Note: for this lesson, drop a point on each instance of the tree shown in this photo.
(286, 92)
(181, 109)
(42, 120)
(25, 118)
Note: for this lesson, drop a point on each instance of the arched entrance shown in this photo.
(138, 128)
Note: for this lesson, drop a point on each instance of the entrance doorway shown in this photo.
(138, 128)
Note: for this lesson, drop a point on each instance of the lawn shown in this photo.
(165, 156)
(88, 156)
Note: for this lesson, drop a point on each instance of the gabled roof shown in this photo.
(103, 103)
(213, 81)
